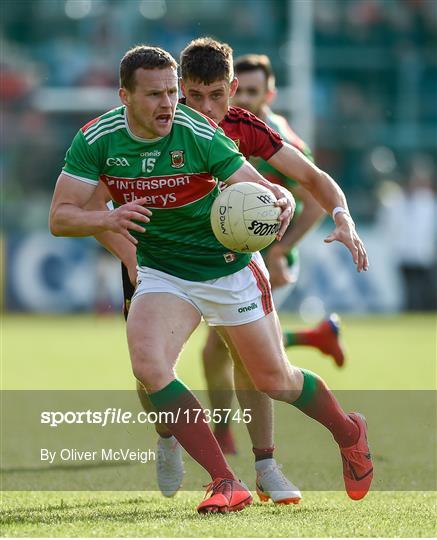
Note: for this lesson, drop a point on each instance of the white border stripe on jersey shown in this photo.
(205, 124)
(189, 126)
(202, 127)
(103, 128)
(193, 126)
(156, 176)
(100, 123)
(81, 178)
(122, 126)
(107, 126)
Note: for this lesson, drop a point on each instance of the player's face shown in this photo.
(209, 99)
(252, 92)
(152, 103)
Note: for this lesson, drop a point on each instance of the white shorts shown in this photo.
(231, 300)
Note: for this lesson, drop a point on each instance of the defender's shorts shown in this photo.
(236, 299)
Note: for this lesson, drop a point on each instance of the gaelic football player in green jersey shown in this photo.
(209, 63)
(184, 273)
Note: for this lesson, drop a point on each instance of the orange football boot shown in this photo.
(226, 496)
(357, 462)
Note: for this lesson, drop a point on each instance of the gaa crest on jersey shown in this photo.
(177, 159)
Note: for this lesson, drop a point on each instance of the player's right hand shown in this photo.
(286, 203)
(122, 219)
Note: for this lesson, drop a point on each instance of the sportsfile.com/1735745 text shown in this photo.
(112, 415)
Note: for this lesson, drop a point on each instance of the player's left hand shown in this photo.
(345, 233)
(287, 204)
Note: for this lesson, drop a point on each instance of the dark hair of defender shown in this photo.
(206, 60)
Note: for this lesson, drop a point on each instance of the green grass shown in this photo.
(149, 515)
(90, 353)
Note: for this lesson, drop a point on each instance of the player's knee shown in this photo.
(281, 384)
(152, 378)
(273, 379)
(151, 372)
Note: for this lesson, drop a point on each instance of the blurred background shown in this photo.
(357, 79)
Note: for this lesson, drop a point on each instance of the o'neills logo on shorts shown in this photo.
(252, 306)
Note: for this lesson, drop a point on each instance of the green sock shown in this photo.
(289, 338)
(318, 402)
(310, 382)
(195, 435)
(168, 394)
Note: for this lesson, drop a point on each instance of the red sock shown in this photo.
(263, 453)
(318, 402)
(191, 428)
(309, 337)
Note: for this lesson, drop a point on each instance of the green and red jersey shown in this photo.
(177, 174)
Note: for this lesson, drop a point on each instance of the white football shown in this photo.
(244, 217)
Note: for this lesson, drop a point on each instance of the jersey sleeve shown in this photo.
(265, 141)
(81, 160)
(257, 138)
(224, 158)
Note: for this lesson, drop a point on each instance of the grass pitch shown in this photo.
(91, 353)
